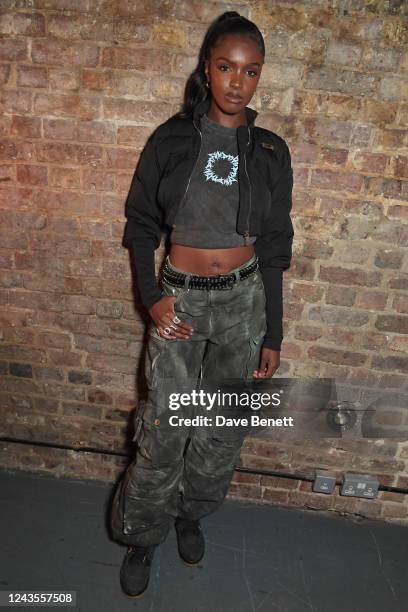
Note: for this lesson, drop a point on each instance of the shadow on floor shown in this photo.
(55, 536)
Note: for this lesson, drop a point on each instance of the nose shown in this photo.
(236, 81)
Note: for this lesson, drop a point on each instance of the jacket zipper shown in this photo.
(188, 184)
(246, 234)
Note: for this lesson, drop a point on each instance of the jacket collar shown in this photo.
(203, 106)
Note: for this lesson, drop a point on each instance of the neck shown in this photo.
(229, 121)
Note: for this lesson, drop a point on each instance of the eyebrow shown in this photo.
(227, 60)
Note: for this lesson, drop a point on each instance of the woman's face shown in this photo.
(233, 72)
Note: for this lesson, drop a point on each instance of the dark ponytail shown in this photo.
(229, 22)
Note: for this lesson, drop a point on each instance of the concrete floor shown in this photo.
(54, 536)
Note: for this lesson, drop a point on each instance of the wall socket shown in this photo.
(324, 482)
(360, 485)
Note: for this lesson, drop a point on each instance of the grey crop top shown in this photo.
(207, 217)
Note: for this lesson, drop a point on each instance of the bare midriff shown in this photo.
(206, 262)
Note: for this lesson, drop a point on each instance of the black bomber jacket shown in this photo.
(160, 183)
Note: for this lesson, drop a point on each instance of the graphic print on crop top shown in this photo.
(210, 170)
(207, 216)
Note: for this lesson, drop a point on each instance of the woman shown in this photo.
(224, 188)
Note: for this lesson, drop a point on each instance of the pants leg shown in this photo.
(233, 352)
(145, 502)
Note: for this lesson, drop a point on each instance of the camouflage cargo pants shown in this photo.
(186, 470)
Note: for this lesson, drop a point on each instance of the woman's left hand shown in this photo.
(270, 361)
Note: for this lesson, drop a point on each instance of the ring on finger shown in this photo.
(176, 319)
(167, 331)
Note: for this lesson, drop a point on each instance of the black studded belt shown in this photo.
(219, 281)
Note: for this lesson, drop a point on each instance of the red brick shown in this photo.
(279, 482)
(307, 293)
(391, 496)
(67, 105)
(323, 130)
(246, 478)
(15, 102)
(66, 178)
(32, 76)
(392, 323)
(372, 300)
(308, 332)
(370, 162)
(387, 258)
(400, 303)
(369, 508)
(29, 127)
(402, 481)
(65, 358)
(25, 24)
(389, 138)
(275, 497)
(54, 51)
(316, 501)
(337, 356)
(64, 80)
(147, 112)
(398, 282)
(361, 377)
(391, 381)
(349, 276)
(398, 212)
(153, 60)
(401, 166)
(13, 49)
(341, 296)
(245, 491)
(385, 187)
(395, 511)
(342, 337)
(32, 175)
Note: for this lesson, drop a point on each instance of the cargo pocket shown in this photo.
(170, 291)
(260, 291)
(154, 360)
(138, 423)
(126, 526)
(254, 354)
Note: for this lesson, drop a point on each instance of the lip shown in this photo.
(233, 99)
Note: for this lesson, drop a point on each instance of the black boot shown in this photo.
(190, 539)
(135, 570)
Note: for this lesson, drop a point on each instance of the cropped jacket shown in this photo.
(160, 183)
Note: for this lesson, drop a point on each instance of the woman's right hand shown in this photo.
(165, 318)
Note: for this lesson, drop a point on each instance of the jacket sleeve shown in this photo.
(274, 250)
(144, 220)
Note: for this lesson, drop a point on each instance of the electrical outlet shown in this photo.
(324, 482)
(360, 485)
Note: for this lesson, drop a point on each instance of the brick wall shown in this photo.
(83, 83)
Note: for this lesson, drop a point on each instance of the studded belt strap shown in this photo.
(219, 281)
